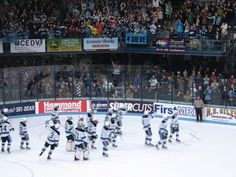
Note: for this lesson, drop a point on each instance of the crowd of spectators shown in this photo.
(107, 18)
(149, 81)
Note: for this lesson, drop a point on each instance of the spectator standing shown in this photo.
(198, 105)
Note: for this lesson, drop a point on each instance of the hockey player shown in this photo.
(69, 132)
(112, 128)
(54, 116)
(108, 115)
(3, 112)
(24, 134)
(105, 138)
(81, 142)
(147, 127)
(5, 129)
(119, 117)
(163, 133)
(174, 127)
(52, 140)
(92, 132)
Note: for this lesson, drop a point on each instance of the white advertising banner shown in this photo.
(93, 44)
(186, 111)
(1, 47)
(28, 46)
(220, 114)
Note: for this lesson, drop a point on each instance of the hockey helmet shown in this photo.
(107, 124)
(175, 113)
(5, 110)
(81, 118)
(165, 117)
(5, 118)
(69, 118)
(80, 123)
(146, 112)
(56, 107)
(110, 110)
(23, 119)
(57, 126)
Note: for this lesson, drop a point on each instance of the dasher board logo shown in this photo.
(221, 114)
(132, 106)
(64, 106)
(166, 109)
(28, 46)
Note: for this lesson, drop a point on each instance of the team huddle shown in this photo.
(81, 138)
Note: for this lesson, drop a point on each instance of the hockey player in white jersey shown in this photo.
(3, 113)
(24, 134)
(109, 114)
(69, 132)
(147, 127)
(90, 114)
(5, 129)
(112, 127)
(81, 142)
(174, 127)
(54, 116)
(105, 138)
(163, 133)
(119, 116)
(92, 132)
(52, 140)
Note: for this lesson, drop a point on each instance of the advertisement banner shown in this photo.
(1, 47)
(64, 106)
(136, 38)
(221, 114)
(94, 44)
(101, 106)
(170, 45)
(64, 45)
(20, 108)
(166, 109)
(132, 106)
(28, 46)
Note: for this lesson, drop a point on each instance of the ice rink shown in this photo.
(208, 150)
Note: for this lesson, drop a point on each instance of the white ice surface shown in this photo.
(212, 155)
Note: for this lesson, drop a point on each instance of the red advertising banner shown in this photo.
(64, 106)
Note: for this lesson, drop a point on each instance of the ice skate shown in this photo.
(105, 154)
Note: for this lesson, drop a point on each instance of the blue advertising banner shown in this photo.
(20, 108)
(136, 38)
(100, 105)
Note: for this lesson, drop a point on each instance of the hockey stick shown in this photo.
(190, 133)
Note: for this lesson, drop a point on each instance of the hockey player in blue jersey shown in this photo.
(163, 133)
(92, 131)
(52, 140)
(24, 134)
(105, 138)
(147, 127)
(69, 132)
(5, 129)
(174, 127)
(81, 141)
